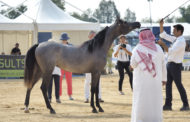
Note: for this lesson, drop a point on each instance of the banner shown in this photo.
(186, 60)
(11, 66)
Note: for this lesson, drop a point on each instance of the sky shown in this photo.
(159, 8)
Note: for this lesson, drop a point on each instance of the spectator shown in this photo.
(16, 50)
(89, 78)
(68, 75)
(175, 58)
(56, 76)
(3, 53)
(149, 73)
(123, 51)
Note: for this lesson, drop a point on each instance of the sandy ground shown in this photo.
(117, 107)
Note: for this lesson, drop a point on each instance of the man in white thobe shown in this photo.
(88, 79)
(149, 74)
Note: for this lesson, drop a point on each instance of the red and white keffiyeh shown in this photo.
(147, 40)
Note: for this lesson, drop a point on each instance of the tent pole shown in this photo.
(35, 33)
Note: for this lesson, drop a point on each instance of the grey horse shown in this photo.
(90, 57)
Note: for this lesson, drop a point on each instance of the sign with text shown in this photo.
(186, 60)
(11, 66)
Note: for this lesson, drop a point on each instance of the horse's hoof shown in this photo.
(94, 111)
(26, 110)
(101, 110)
(52, 112)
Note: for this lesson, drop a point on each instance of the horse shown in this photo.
(90, 57)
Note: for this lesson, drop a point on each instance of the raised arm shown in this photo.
(163, 34)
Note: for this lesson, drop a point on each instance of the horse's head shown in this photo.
(124, 27)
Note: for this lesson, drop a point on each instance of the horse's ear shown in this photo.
(117, 19)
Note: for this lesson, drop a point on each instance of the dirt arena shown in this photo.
(117, 107)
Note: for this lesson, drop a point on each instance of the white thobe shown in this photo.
(147, 90)
(87, 83)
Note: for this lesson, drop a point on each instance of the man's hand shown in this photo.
(116, 54)
(163, 83)
(124, 49)
(161, 26)
(130, 68)
(160, 42)
(128, 52)
(161, 22)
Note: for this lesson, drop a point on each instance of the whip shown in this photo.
(175, 9)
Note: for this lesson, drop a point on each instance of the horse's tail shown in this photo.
(30, 64)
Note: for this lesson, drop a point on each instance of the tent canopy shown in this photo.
(50, 17)
(4, 19)
(8, 24)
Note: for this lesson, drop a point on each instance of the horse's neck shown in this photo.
(110, 36)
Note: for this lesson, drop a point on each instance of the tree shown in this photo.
(13, 13)
(86, 16)
(76, 15)
(170, 19)
(106, 12)
(185, 14)
(145, 20)
(59, 3)
(129, 16)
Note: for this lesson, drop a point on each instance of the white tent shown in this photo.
(12, 32)
(8, 24)
(49, 18)
(4, 19)
(41, 16)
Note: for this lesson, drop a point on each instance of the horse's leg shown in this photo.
(44, 87)
(26, 110)
(94, 84)
(92, 99)
(97, 97)
(36, 76)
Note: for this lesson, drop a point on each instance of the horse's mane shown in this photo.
(97, 41)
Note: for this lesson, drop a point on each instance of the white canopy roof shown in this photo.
(50, 17)
(8, 24)
(4, 19)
